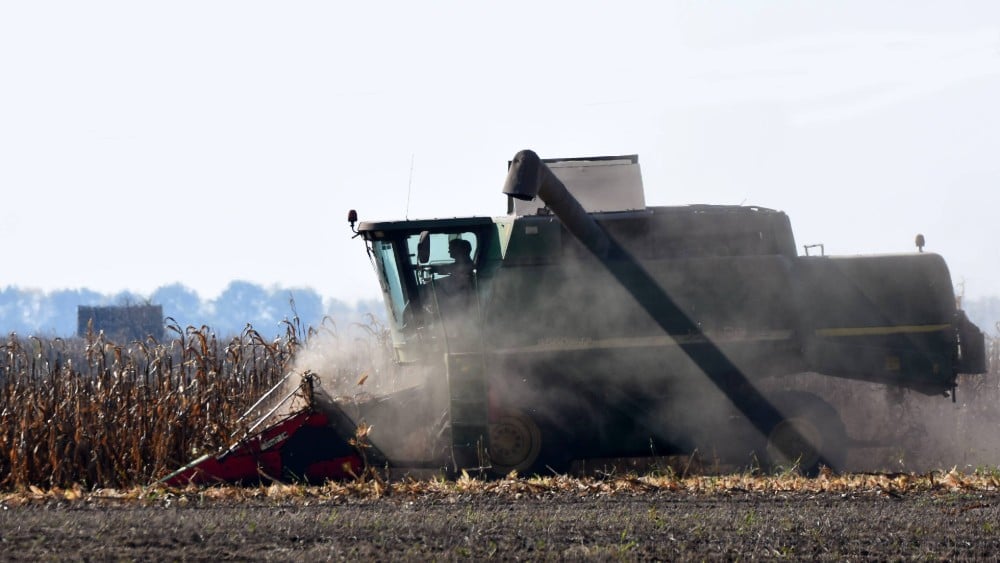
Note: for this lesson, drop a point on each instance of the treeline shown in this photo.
(32, 312)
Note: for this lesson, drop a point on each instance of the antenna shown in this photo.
(409, 188)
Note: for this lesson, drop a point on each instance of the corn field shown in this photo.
(97, 413)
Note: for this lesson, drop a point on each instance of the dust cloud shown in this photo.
(574, 350)
(355, 373)
(904, 431)
(567, 346)
(340, 362)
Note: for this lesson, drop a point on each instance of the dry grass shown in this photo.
(516, 488)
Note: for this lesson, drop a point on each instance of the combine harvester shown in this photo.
(584, 324)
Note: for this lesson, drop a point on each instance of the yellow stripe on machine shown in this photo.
(880, 330)
(717, 337)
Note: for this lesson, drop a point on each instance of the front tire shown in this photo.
(518, 443)
(515, 443)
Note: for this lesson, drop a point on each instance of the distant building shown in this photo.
(122, 324)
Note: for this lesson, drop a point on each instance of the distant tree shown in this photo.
(13, 315)
(64, 304)
(34, 312)
(126, 298)
(182, 303)
(242, 303)
(307, 303)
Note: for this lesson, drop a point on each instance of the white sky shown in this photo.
(199, 142)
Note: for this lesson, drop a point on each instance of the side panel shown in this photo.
(573, 349)
(745, 305)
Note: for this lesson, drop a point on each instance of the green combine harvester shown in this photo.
(593, 326)
(585, 324)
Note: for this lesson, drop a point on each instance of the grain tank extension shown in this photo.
(587, 324)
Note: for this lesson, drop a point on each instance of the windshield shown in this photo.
(448, 251)
(435, 299)
(392, 284)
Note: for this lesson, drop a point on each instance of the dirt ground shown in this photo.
(646, 525)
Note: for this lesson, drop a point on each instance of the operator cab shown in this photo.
(431, 273)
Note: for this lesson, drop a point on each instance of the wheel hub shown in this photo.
(515, 442)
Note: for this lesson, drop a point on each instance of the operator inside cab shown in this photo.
(460, 271)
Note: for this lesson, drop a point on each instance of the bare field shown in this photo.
(935, 516)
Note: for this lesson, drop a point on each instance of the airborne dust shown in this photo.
(893, 430)
(402, 408)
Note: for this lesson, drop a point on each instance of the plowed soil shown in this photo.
(663, 525)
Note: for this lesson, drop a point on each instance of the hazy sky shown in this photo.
(198, 142)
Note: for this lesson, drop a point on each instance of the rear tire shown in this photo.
(809, 435)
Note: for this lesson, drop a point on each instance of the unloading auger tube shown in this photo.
(528, 177)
